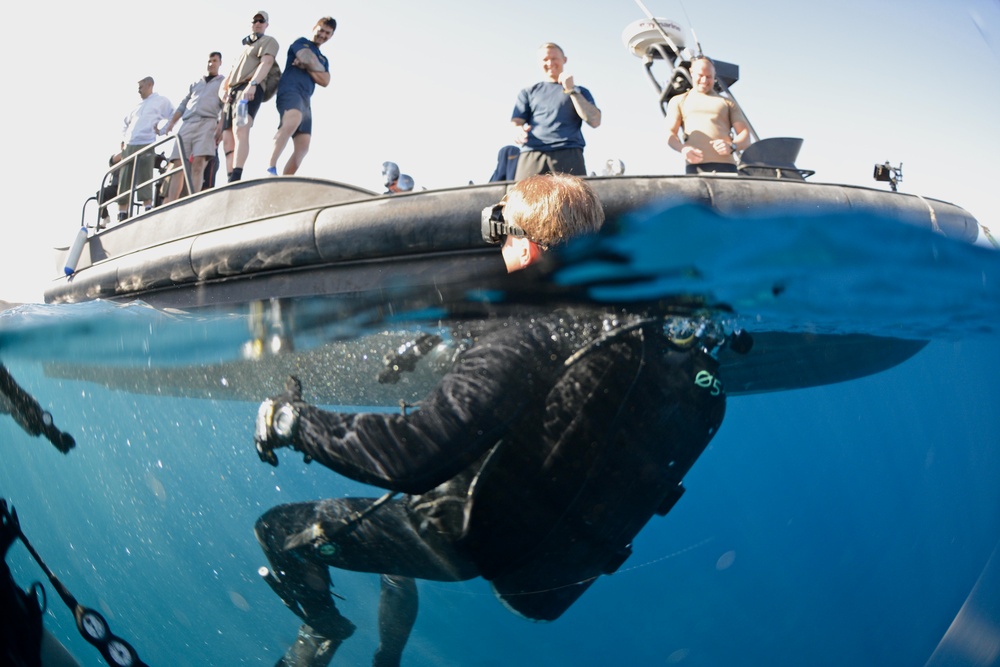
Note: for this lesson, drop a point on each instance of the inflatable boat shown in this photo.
(293, 236)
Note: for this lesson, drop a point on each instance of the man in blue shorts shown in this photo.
(548, 119)
(305, 67)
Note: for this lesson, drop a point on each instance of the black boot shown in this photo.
(310, 649)
(317, 641)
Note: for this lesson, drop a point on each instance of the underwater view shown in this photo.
(348, 416)
(846, 512)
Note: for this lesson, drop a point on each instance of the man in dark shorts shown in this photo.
(552, 440)
(548, 120)
(305, 67)
(244, 82)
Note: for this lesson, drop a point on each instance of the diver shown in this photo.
(24, 641)
(27, 412)
(552, 440)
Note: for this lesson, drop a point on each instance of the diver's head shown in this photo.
(546, 210)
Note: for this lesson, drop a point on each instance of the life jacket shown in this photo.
(622, 426)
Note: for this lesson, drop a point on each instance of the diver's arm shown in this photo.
(464, 416)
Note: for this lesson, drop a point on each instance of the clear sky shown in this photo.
(430, 85)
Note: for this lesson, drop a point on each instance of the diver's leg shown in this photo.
(302, 540)
(303, 582)
(397, 612)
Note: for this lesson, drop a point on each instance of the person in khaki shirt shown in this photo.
(244, 82)
(714, 126)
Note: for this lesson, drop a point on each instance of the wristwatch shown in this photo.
(572, 91)
(285, 421)
(732, 147)
(253, 83)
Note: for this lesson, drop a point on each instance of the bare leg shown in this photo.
(228, 146)
(198, 172)
(301, 144)
(242, 145)
(176, 184)
(290, 120)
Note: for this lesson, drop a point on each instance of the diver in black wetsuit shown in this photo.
(536, 460)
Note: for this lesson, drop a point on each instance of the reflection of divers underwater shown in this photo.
(270, 329)
(25, 641)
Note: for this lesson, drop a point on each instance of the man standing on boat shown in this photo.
(141, 129)
(554, 438)
(548, 120)
(201, 129)
(245, 82)
(305, 67)
(714, 125)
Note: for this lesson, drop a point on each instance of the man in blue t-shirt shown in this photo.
(305, 67)
(548, 118)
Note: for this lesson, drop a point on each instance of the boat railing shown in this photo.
(162, 171)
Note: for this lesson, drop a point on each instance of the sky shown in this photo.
(431, 84)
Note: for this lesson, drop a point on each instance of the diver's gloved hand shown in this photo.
(278, 421)
(10, 527)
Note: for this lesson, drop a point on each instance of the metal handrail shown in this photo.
(154, 181)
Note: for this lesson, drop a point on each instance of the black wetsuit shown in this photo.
(534, 462)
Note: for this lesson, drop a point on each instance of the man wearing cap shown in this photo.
(244, 83)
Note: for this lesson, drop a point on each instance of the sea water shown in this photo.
(845, 524)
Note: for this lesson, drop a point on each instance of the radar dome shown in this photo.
(639, 36)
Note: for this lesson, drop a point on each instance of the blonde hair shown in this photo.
(553, 208)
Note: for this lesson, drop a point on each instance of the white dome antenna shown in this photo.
(646, 37)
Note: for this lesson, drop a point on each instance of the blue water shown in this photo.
(844, 524)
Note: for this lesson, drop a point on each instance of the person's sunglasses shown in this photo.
(259, 20)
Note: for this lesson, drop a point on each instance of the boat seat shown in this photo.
(774, 158)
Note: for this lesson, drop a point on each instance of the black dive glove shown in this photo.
(10, 527)
(278, 421)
